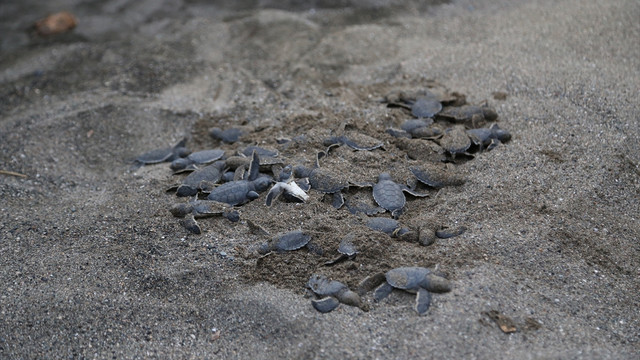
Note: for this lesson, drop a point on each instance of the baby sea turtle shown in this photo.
(455, 141)
(489, 137)
(388, 226)
(331, 293)
(229, 135)
(266, 162)
(426, 106)
(286, 184)
(436, 175)
(190, 162)
(165, 154)
(418, 280)
(292, 240)
(363, 142)
(203, 179)
(262, 152)
(389, 194)
(362, 203)
(241, 191)
(471, 115)
(413, 124)
(423, 104)
(346, 249)
(196, 209)
(323, 181)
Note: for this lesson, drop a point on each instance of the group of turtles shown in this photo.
(219, 182)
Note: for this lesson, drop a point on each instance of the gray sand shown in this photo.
(94, 265)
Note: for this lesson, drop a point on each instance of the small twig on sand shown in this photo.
(12, 173)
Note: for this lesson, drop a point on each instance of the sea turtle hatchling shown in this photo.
(388, 226)
(332, 293)
(455, 141)
(419, 280)
(423, 104)
(202, 179)
(197, 209)
(436, 175)
(390, 195)
(323, 181)
(489, 137)
(190, 162)
(346, 249)
(241, 191)
(165, 154)
(230, 135)
(289, 241)
(471, 115)
(286, 185)
(335, 141)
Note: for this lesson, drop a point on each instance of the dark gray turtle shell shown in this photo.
(292, 240)
(467, 113)
(164, 154)
(412, 124)
(426, 132)
(426, 106)
(323, 287)
(414, 278)
(321, 180)
(239, 192)
(262, 152)
(206, 156)
(192, 183)
(197, 158)
(486, 137)
(229, 136)
(436, 175)
(388, 194)
(455, 140)
(346, 246)
(388, 226)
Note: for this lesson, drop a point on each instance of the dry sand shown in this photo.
(94, 265)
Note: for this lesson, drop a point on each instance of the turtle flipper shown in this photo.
(326, 304)
(423, 301)
(382, 291)
(274, 193)
(450, 232)
(232, 215)
(191, 224)
(338, 200)
(252, 195)
(370, 282)
(413, 192)
(254, 167)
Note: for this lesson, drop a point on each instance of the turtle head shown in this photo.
(181, 210)
(180, 152)
(501, 134)
(434, 283)
(384, 176)
(179, 164)
(333, 140)
(301, 171)
(264, 249)
(262, 183)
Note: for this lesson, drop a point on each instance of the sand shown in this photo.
(95, 266)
